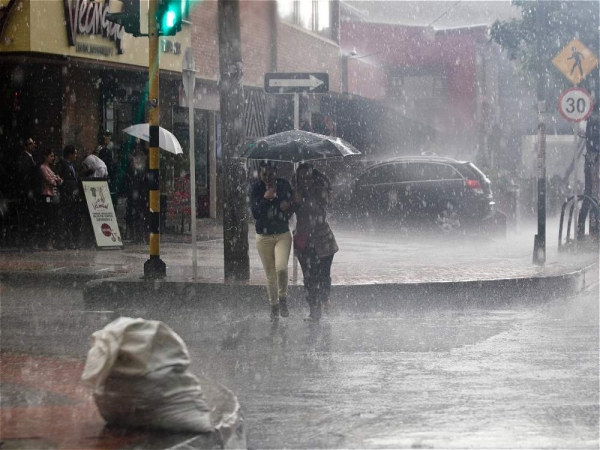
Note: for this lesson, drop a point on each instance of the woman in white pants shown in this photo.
(270, 202)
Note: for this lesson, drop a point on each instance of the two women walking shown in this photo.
(273, 202)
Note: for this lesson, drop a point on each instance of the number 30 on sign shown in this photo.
(575, 104)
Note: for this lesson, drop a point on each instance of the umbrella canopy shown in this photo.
(167, 140)
(296, 146)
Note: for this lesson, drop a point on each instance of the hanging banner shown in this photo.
(102, 214)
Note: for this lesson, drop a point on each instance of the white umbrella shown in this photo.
(167, 140)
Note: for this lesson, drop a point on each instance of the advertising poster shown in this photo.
(102, 214)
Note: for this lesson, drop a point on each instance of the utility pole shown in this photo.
(539, 243)
(235, 208)
(154, 267)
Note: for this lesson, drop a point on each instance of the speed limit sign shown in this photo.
(575, 104)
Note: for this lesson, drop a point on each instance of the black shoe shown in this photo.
(274, 312)
(283, 308)
(315, 312)
(326, 307)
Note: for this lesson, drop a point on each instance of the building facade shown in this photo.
(67, 74)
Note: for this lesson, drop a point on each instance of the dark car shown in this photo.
(435, 190)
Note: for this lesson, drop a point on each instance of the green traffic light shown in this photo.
(169, 15)
(170, 19)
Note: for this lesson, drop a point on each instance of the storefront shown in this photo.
(68, 75)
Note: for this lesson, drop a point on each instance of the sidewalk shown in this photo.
(377, 258)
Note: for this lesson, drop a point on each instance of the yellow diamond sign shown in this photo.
(575, 61)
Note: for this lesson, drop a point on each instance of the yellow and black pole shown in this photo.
(154, 267)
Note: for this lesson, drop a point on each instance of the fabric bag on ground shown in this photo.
(138, 369)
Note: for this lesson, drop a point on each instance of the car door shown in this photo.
(416, 180)
(372, 190)
(452, 184)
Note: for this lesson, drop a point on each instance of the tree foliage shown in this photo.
(561, 21)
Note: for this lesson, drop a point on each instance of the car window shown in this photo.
(417, 172)
(423, 171)
(444, 172)
(388, 173)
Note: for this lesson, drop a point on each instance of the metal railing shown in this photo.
(593, 206)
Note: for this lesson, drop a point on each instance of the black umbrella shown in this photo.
(296, 146)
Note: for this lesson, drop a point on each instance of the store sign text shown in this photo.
(89, 18)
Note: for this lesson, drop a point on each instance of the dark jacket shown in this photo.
(27, 176)
(69, 189)
(270, 219)
(311, 215)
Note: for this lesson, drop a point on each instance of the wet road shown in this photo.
(524, 376)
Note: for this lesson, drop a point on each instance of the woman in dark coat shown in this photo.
(314, 241)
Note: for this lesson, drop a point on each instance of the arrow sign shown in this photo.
(295, 83)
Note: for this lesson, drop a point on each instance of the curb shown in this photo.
(54, 278)
(226, 299)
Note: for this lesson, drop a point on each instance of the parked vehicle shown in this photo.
(453, 195)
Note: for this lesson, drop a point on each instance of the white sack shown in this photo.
(138, 369)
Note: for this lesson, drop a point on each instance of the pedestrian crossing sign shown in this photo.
(575, 61)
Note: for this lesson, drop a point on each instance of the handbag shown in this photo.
(300, 241)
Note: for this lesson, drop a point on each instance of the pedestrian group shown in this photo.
(273, 201)
(48, 193)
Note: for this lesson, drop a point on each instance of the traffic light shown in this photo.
(169, 16)
(133, 16)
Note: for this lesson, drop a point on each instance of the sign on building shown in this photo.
(575, 61)
(102, 214)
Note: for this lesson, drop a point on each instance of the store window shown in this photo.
(312, 15)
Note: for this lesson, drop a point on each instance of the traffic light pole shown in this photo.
(154, 267)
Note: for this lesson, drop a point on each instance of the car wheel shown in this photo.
(448, 220)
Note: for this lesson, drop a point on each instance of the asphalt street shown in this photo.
(524, 376)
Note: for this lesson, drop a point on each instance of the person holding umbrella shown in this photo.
(314, 241)
(270, 202)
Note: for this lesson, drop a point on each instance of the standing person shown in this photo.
(313, 240)
(26, 184)
(136, 191)
(70, 198)
(93, 166)
(107, 155)
(270, 202)
(49, 183)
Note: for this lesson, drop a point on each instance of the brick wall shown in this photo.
(302, 51)
(205, 39)
(256, 40)
(366, 80)
(255, 35)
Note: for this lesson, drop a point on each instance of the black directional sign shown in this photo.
(296, 83)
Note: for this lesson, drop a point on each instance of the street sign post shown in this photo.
(188, 73)
(575, 104)
(575, 61)
(296, 83)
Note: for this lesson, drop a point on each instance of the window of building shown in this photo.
(312, 15)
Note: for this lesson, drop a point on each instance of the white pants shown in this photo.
(274, 252)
